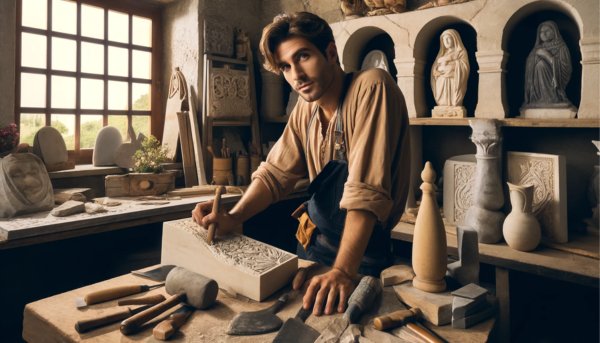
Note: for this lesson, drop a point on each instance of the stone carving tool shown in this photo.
(359, 301)
(149, 300)
(158, 274)
(112, 293)
(89, 324)
(184, 285)
(294, 330)
(258, 322)
(172, 323)
(212, 228)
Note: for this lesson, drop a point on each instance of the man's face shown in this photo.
(26, 176)
(305, 68)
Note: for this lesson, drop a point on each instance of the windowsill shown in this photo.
(90, 170)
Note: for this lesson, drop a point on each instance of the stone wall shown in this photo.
(7, 60)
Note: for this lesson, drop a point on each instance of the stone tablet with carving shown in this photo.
(548, 175)
(459, 181)
(230, 93)
(238, 263)
(218, 38)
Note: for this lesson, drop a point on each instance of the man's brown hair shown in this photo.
(302, 24)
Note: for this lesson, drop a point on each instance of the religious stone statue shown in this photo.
(24, 186)
(547, 73)
(375, 59)
(449, 76)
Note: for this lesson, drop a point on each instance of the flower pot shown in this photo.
(521, 229)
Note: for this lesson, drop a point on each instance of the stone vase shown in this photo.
(429, 256)
(521, 228)
(488, 197)
(272, 95)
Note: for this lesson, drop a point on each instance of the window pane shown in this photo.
(92, 94)
(33, 50)
(140, 66)
(92, 22)
(92, 58)
(64, 16)
(141, 124)
(64, 54)
(63, 92)
(29, 126)
(117, 95)
(33, 90)
(142, 31)
(35, 13)
(140, 93)
(120, 122)
(118, 27)
(118, 61)
(65, 124)
(90, 126)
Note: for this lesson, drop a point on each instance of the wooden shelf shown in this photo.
(512, 122)
(283, 119)
(231, 123)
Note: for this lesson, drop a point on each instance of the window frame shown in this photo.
(84, 156)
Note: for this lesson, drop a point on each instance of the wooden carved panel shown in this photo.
(218, 38)
(229, 93)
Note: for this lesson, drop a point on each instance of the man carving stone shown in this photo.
(349, 133)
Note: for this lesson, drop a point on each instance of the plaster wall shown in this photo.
(7, 60)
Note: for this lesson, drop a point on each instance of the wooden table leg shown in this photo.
(503, 294)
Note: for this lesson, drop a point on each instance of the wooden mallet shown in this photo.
(212, 227)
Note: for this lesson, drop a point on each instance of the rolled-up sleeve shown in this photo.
(373, 143)
(286, 162)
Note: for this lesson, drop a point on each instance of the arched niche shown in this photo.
(519, 39)
(384, 43)
(427, 46)
(352, 56)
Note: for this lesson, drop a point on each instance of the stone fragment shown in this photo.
(124, 153)
(351, 334)
(108, 140)
(463, 323)
(459, 179)
(463, 307)
(466, 270)
(471, 291)
(68, 208)
(91, 208)
(49, 145)
(396, 274)
(373, 335)
(436, 307)
(87, 192)
(62, 198)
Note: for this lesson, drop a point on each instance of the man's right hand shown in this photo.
(203, 216)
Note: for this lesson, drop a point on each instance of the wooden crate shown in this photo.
(134, 184)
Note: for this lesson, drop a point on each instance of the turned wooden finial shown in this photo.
(428, 176)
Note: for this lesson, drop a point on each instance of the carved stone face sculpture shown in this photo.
(25, 184)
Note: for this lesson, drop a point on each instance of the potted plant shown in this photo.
(9, 139)
(148, 176)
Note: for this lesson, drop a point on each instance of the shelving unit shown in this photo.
(282, 120)
(510, 122)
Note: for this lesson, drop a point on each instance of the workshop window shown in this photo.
(83, 65)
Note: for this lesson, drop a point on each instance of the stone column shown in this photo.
(488, 197)
(411, 83)
(492, 85)
(590, 87)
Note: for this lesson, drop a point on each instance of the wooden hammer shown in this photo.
(407, 318)
(212, 227)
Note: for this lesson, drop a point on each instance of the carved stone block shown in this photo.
(238, 263)
(229, 93)
(466, 270)
(218, 38)
(548, 175)
(459, 180)
(436, 307)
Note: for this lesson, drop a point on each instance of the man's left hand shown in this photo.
(327, 287)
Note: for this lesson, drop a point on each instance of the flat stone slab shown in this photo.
(488, 311)
(471, 291)
(396, 274)
(68, 208)
(463, 307)
(436, 307)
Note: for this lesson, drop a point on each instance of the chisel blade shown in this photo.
(80, 303)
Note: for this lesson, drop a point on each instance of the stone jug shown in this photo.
(521, 228)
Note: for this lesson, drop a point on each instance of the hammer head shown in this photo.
(201, 292)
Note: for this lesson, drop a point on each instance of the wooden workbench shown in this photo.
(53, 319)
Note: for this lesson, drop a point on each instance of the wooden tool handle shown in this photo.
(111, 293)
(300, 277)
(84, 325)
(397, 318)
(212, 227)
(129, 325)
(426, 336)
(152, 299)
(167, 327)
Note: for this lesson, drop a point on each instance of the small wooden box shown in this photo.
(134, 184)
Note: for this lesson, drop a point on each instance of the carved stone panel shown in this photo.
(548, 175)
(229, 93)
(218, 38)
(459, 180)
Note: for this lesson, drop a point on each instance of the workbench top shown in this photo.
(53, 319)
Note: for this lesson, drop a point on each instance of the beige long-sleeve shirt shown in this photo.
(376, 130)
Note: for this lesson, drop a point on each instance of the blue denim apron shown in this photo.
(324, 211)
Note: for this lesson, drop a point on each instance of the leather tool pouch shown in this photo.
(305, 228)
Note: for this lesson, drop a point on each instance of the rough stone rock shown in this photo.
(352, 333)
(68, 208)
(396, 274)
(62, 198)
(91, 208)
(107, 142)
(49, 145)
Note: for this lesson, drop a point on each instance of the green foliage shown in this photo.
(89, 131)
(150, 157)
(142, 103)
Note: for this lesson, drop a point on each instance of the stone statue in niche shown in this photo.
(375, 59)
(353, 8)
(24, 186)
(242, 44)
(449, 76)
(547, 72)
